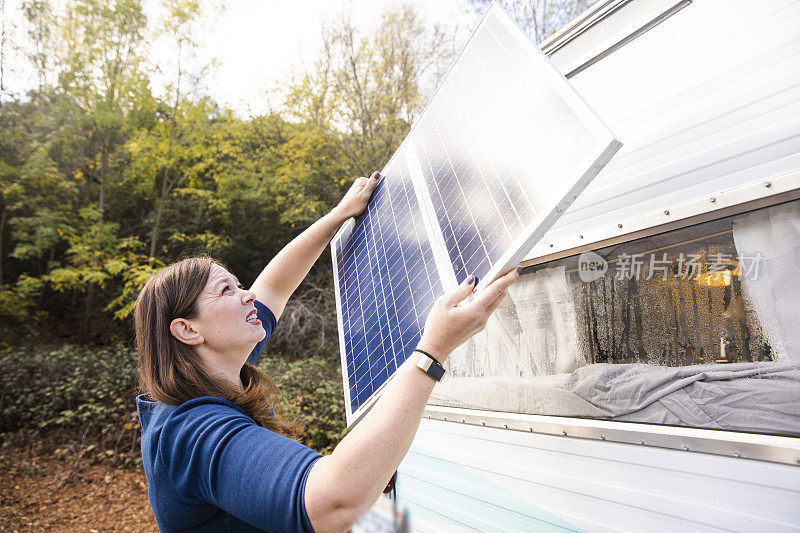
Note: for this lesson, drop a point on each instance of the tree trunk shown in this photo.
(2, 231)
(87, 315)
(103, 172)
(156, 224)
(165, 188)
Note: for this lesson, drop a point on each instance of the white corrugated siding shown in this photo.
(708, 101)
(459, 476)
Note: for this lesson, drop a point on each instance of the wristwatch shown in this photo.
(430, 365)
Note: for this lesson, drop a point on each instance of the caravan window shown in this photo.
(694, 327)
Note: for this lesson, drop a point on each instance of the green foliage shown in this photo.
(312, 389)
(134, 277)
(82, 401)
(69, 391)
(18, 301)
(37, 234)
(103, 183)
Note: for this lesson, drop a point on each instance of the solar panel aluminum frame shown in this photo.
(351, 418)
(542, 221)
(443, 265)
(344, 232)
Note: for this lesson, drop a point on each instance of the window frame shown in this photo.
(757, 446)
(736, 208)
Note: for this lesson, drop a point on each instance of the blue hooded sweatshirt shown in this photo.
(210, 467)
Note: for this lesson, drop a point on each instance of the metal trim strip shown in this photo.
(770, 448)
(755, 195)
(630, 37)
(573, 29)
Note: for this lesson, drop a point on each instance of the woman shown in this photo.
(215, 455)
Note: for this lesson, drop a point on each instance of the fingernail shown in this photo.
(470, 280)
(376, 175)
(519, 270)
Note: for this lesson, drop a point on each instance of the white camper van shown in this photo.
(643, 374)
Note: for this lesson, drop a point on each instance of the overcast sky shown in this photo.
(257, 42)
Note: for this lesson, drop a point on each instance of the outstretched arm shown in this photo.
(281, 277)
(341, 487)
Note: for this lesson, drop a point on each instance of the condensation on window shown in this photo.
(693, 327)
(668, 304)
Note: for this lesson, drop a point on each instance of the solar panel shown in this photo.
(501, 150)
(386, 282)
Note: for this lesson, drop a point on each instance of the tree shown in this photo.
(89, 60)
(42, 56)
(96, 256)
(166, 150)
(10, 194)
(102, 71)
(102, 183)
(40, 218)
(166, 154)
(33, 191)
(538, 18)
(368, 88)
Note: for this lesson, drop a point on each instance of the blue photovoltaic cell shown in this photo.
(387, 283)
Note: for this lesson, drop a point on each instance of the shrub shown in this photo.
(73, 398)
(78, 402)
(313, 393)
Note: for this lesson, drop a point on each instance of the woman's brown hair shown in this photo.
(170, 371)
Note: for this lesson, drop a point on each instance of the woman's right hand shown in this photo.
(449, 324)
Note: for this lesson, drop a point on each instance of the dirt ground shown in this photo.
(43, 493)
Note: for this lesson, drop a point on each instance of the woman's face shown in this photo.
(227, 315)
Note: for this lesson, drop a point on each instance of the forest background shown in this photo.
(104, 181)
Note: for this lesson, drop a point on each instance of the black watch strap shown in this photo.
(430, 365)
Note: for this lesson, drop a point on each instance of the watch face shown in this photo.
(436, 371)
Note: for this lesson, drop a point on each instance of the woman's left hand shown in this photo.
(357, 198)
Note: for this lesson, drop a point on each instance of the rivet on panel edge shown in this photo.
(483, 423)
(551, 245)
(445, 419)
(580, 236)
(463, 421)
(505, 426)
(666, 212)
(737, 453)
(685, 446)
(530, 429)
(641, 442)
(713, 200)
(767, 184)
(619, 225)
(602, 437)
(564, 433)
